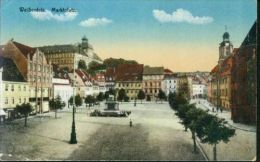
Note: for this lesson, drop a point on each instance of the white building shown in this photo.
(198, 90)
(62, 88)
(2, 112)
(170, 84)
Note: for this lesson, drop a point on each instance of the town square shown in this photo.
(128, 80)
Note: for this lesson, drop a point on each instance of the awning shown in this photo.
(2, 112)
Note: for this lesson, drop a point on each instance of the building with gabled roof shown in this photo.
(14, 90)
(35, 69)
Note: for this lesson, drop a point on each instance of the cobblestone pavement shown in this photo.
(155, 135)
(241, 147)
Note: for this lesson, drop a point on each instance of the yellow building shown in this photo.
(152, 81)
(129, 78)
(64, 55)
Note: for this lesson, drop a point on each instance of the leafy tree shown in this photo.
(126, 98)
(89, 100)
(148, 98)
(78, 100)
(193, 116)
(121, 95)
(56, 104)
(141, 95)
(113, 62)
(82, 65)
(214, 131)
(24, 109)
(161, 95)
(94, 66)
(184, 90)
(182, 114)
(100, 96)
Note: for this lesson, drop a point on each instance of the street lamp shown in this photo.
(73, 137)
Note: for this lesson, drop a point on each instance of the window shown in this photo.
(6, 87)
(19, 87)
(24, 100)
(13, 100)
(20, 100)
(12, 88)
(6, 100)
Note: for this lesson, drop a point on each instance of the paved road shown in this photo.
(155, 135)
(241, 147)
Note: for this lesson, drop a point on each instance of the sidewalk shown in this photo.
(205, 105)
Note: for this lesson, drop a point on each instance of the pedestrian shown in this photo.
(130, 123)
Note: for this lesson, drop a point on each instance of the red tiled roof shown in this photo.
(129, 72)
(214, 70)
(110, 72)
(24, 49)
(167, 71)
(83, 75)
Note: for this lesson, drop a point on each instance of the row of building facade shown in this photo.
(37, 74)
(233, 79)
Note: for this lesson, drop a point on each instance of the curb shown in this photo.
(202, 151)
(241, 128)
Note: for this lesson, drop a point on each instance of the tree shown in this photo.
(182, 114)
(56, 104)
(193, 116)
(113, 62)
(78, 100)
(213, 131)
(94, 66)
(141, 95)
(24, 109)
(89, 100)
(148, 98)
(161, 95)
(100, 96)
(121, 94)
(126, 98)
(184, 90)
(82, 65)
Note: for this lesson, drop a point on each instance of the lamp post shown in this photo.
(73, 137)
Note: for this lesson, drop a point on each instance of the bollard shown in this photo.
(130, 123)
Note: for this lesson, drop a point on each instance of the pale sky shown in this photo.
(182, 35)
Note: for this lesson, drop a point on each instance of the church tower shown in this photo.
(84, 43)
(225, 48)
